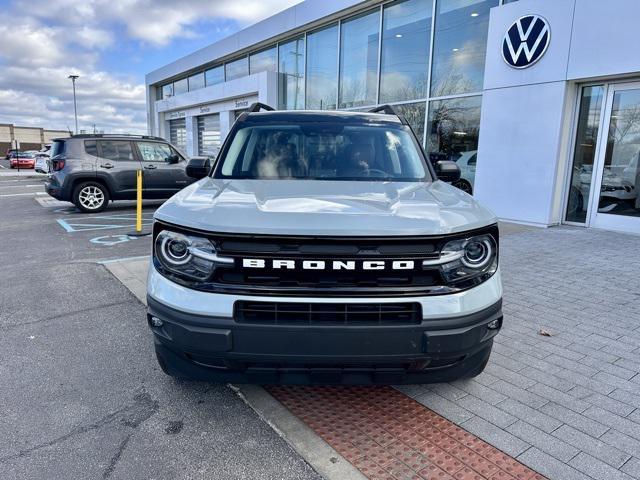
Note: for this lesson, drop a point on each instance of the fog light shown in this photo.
(156, 322)
(493, 324)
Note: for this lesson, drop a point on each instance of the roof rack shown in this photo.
(257, 106)
(389, 110)
(115, 135)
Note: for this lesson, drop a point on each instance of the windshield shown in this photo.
(320, 151)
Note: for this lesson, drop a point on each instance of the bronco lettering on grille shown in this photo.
(328, 265)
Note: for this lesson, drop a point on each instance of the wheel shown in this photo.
(91, 197)
(464, 185)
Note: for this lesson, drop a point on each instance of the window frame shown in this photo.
(152, 142)
(100, 141)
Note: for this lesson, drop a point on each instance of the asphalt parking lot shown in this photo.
(82, 396)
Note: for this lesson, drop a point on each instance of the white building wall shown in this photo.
(605, 39)
(526, 129)
(523, 117)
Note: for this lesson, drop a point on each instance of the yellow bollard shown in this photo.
(139, 202)
(138, 232)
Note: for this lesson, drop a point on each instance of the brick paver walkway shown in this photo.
(389, 436)
(567, 405)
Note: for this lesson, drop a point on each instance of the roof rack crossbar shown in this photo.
(116, 135)
(257, 106)
(389, 110)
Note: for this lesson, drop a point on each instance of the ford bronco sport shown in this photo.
(323, 247)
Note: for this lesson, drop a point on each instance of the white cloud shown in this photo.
(29, 44)
(154, 21)
(43, 41)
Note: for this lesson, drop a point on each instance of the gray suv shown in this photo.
(91, 170)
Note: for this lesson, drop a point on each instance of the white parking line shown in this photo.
(18, 186)
(19, 194)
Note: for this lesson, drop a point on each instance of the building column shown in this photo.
(191, 124)
(226, 121)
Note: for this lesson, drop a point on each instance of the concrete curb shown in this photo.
(324, 459)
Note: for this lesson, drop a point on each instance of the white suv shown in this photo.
(323, 248)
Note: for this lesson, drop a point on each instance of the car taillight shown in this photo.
(57, 164)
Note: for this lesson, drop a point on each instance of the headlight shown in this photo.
(467, 258)
(187, 256)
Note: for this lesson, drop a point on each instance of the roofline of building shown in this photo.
(32, 128)
(277, 27)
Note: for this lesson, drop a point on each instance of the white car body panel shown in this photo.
(221, 305)
(325, 208)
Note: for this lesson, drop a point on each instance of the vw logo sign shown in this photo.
(526, 41)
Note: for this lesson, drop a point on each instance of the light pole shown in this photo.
(75, 108)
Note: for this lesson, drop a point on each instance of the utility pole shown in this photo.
(75, 107)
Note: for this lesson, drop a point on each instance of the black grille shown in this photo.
(328, 250)
(327, 282)
(279, 313)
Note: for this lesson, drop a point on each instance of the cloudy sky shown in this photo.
(111, 44)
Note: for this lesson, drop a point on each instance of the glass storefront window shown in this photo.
(584, 154)
(167, 90)
(406, 36)
(452, 134)
(196, 81)
(214, 76)
(460, 46)
(264, 61)
(414, 113)
(237, 68)
(291, 88)
(621, 169)
(180, 86)
(322, 66)
(359, 60)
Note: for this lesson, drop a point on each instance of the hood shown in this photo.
(324, 208)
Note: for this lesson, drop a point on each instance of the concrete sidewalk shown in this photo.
(567, 405)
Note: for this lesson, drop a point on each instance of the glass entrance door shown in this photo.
(615, 203)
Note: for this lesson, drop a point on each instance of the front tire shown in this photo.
(91, 197)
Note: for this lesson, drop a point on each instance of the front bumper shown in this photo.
(201, 340)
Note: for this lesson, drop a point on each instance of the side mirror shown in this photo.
(447, 171)
(198, 167)
(173, 159)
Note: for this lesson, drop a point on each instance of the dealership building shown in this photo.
(538, 101)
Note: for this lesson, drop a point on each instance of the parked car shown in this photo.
(42, 162)
(615, 191)
(467, 163)
(91, 170)
(22, 160)
(323, 247)
(9, 152)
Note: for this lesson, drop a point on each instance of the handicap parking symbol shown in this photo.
(110, 240)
